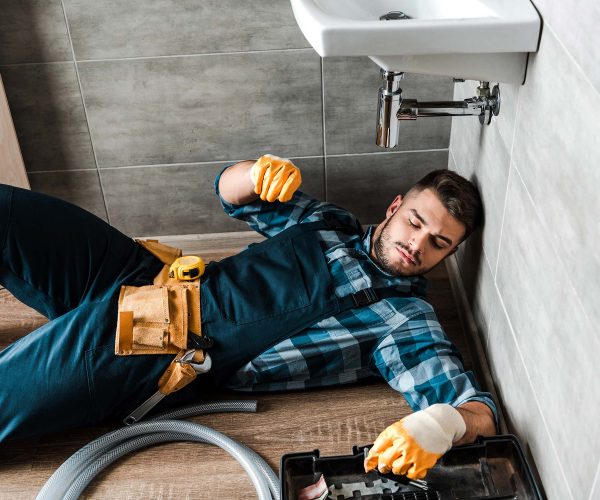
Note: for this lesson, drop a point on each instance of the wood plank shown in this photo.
(13, 169)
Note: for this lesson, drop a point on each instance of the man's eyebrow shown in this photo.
(424, 222)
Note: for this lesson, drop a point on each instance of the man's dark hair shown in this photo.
(457, 194)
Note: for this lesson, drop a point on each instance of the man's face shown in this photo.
(417, 234)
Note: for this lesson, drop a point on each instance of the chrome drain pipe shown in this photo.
(390, 98)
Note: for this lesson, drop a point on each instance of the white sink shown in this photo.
(475, 39)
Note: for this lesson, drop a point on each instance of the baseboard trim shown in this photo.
(209, 245)
(473, 339)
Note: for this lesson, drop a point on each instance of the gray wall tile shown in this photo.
(180, 199)
(115, 29)
(554, 336)
(351, 87)
(504, 123)
(523, 415)
(81, 188)
(548, 259)
(33, 31)
(478, 281)
(482, 156)
(559, 164)
(575, 23)
(506, 119)
(367, 184)
(596, 488)
(204, 108)
(48, 114)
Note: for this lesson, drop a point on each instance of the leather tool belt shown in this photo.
(156, 319)
(163, 318)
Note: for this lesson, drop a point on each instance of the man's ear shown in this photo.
(394, 206)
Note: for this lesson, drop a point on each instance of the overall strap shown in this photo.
(370, 295)
(337, 225)
(332, 225)
(366, 296)
(319, 225)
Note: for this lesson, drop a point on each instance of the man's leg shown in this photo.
(65, 374)
(55, 255)
(69, 265)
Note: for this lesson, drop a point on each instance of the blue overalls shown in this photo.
(69, 265)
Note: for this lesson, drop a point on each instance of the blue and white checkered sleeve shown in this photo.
(270, 218)
(418, 360)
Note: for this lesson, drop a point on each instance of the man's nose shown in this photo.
(417, 242)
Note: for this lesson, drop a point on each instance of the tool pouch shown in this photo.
(155, 319)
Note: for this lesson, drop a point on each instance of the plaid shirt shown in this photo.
(398, 338)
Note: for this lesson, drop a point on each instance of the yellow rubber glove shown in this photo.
(275, 178)
(413, 445)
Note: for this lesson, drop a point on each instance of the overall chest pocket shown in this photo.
(262, 282)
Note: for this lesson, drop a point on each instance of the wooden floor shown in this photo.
(332, 420)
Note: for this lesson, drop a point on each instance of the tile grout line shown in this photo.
(228, 161)
(39, 63)
(595, 482)
(533, 392)
(36, 172)
(323, 132)
(207, 54)
(488, 320)
(495, 271)
(390, 152)
(134, 58)
(510, 167)
(87, 121)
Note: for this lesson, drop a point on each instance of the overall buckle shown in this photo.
(365, 297)
(195, 341)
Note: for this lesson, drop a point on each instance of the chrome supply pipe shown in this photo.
(411, 109)
(392, 108)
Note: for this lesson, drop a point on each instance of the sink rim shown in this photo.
(501, 10)
(338, 36)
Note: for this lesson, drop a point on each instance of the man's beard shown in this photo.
(383, 241)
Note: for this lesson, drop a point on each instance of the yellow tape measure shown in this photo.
(188, 267)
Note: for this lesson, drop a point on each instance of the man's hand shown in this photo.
(275, 178)
(413, 445)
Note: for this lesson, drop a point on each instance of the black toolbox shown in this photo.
(492, 468)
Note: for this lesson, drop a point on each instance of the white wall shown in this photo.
(533, 273)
